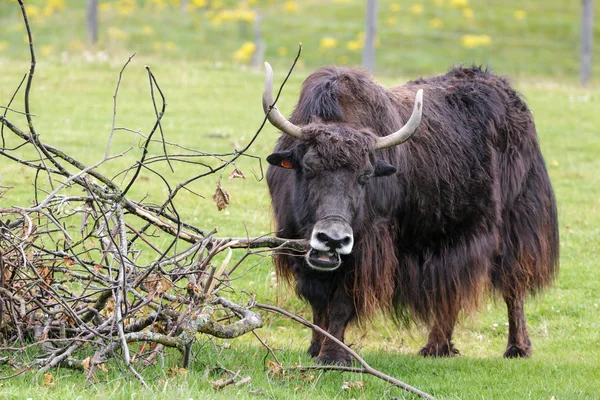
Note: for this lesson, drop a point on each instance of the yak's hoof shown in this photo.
(439, 351)
(335, 359)
(314, 349)
(513, 351)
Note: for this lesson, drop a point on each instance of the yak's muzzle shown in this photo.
(330, 238)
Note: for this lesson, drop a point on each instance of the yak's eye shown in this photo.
(364, 177)
(309, 168)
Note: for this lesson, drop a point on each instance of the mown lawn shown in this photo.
(216, 107)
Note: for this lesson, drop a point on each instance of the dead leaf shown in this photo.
(176, 371)
(86, 363)
(360, 385)
(275, 369)
(48, 379)
(68, 261)
(236, 173)
(221, 197)
(109, 309)
(157, 285)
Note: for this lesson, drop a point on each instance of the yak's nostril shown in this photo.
(322, 237)
(346, 241)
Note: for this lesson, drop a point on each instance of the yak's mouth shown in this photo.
(323, 260)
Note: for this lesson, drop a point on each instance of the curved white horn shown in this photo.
(275, 117)
(404, 133)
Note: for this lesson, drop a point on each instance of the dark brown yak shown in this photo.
(420, 228)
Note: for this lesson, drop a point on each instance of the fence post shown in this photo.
(370, 36)
(587, 34)
(92, 20)
(259, 52)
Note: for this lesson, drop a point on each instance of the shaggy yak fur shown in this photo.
(464, 207)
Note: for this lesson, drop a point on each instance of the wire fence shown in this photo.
(523, 38)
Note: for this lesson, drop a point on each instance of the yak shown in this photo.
(415, 213)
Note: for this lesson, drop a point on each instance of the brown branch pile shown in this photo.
(87, 274)
(86, 265)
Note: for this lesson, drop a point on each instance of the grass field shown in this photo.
(215, 107)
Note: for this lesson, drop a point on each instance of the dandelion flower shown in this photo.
(416, 9)
(520, 14)
(459, 3)
(468, 12)
(354, 45)
(327, 43)
(245, 52)
(436, 23)
(471, 41)
(290, 7)
(47, 50)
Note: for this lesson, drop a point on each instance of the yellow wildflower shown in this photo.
(327, 43)
(459, 3)
(148, 30)
(170, 46)
(3, 45)
(416, 9)
(126, 7)
(468, 12)
(282, 51)
(470, 41)
(391, 21)
(217, 4)
(395, 7)
(105, 7)
(47, 49)
(436, 23)
(245, 52)
(199, 3)
(439, 2)
(354, 45)
(32, 11)
(116, 33)
(520, 14)
(76, 45)
(290, 7)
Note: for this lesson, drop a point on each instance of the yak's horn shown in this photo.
(273, 114)
(404, 133)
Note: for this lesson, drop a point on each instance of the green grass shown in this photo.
(545, 42)
(72, 101)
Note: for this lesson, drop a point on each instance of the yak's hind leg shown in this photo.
(519, 344)
(439, 343)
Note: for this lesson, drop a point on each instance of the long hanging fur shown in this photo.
(471, 207)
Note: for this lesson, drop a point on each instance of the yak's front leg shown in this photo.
(319, 319)
(340, 313)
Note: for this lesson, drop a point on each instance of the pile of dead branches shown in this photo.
(86, 265)
(87, 274)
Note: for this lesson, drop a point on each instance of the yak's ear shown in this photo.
(383, 169)
(284, 159)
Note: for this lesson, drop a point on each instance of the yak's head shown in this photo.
(333, 163)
